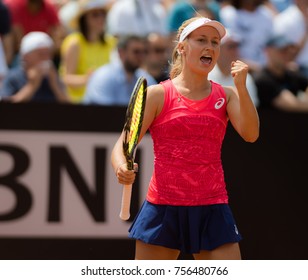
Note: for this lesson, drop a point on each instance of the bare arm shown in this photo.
(35, 76)
(241, 110)
(70, 60)
(58, 90)
(154, 103)
(287, 101)
(34, 80)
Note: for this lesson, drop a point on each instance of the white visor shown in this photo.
(202, 22)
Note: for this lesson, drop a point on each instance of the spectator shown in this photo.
(3, 65)
(293, 23)
(5, 25)
(66, 14)
(253, 23)
(36, 79)
(183, 10)
(157, 59)
(278, 87)
(229, 52)
(137, 17)
(60, 3)
(5, 19)
(207, 11)
(29, 16)
(113, 83)
(168, 3)
(86, 49)
(281, 5)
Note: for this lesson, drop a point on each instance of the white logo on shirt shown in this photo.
(220, 102)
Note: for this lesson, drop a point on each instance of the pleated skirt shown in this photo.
(185, 228)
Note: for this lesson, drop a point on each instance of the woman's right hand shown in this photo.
(125, 176)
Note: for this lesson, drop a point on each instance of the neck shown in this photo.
(249, 7)
(193, 81)
(193, 86)
(94, 36)
(34, 7)
(302, 7)
(277, 70)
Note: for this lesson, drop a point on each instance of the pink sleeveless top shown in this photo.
(187, 137)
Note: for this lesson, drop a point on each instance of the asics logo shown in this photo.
(220, 102)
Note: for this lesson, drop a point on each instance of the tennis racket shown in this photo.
(132, 128)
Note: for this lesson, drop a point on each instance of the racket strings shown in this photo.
(133, 124)
(136, 120)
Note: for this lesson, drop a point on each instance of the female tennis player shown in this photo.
(186, 208)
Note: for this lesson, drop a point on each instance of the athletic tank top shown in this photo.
(187, 137)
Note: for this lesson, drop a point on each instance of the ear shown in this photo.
(180, 49)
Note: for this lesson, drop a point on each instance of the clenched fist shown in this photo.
(239, 71)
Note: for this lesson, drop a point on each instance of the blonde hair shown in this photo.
(176, 61)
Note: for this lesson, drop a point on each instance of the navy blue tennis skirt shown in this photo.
(185, 228)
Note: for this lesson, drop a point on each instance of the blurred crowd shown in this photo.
(93, 51)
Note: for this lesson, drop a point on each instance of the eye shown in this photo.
(201, 40)
(215, 43)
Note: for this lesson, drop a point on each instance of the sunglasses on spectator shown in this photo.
(158, 50)
(139, 51)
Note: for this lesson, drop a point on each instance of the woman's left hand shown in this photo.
(239, 71)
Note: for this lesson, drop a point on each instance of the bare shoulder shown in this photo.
(156, 93)
(230, 91)
(155, 97)
(156, 89)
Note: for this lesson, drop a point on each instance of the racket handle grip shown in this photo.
(126, 199)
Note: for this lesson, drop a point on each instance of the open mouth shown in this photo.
(206, 60)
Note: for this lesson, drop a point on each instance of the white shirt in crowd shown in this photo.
(253, 28)
(291, 24)
(139, 17)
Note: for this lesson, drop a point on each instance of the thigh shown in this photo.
(146, 251)
(229, 251)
